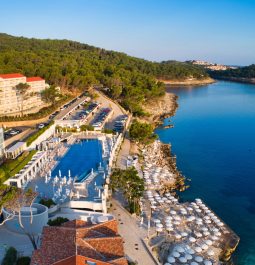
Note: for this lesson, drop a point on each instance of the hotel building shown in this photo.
(12, 103)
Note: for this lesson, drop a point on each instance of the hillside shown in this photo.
(72, 64)
(242, 74)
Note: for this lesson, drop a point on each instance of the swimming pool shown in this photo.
(81, 157)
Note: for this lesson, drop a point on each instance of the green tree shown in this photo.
(49, 95)
(22, 91)
(142, 132)
(10, 257)
(131, 185)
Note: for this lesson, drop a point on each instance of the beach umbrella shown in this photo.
(180, 249)
(159, 225)
(198, 249)
(218, 233)
(171, 259)
(176, 254)
(199, 234)
(182, 259)
(177, 236)
(215, 238)
(208, 242)
(193, 263)
(173, 212)
(204, 246)
(159, 229)
(157, 221)
(204, 228)
(167, 263)
(188, 257)
(190, 251)
(198, 259)
(207, 262)
(210, 252)
(169, 228)
(206, 233)
(184, 234)
(192, 239)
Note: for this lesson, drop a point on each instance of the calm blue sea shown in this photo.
(214, 141)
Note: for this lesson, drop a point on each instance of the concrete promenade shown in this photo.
(132, 234)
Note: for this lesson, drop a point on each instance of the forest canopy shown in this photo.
(72, 64)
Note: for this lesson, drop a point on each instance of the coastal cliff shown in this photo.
(160, 108)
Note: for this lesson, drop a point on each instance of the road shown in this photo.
(107, 103)
(131, 234)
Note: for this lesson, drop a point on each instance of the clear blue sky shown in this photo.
(221, 31)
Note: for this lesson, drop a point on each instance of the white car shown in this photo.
(41, 125)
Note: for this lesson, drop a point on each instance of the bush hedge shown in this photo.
(57, 221)
(34, 136)
(10, 257)
(47, 202)
(11, 167)
(23, 261)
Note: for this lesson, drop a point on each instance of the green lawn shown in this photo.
(11, 167)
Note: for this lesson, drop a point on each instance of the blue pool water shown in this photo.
(80, 159)
(214, 140)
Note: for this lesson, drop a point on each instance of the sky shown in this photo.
(221, 31)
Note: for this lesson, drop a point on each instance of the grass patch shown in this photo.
(11, 167)
(34, 136)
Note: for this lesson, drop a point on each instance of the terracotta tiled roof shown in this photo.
(9, 76)
(34, 78)
(65, 243)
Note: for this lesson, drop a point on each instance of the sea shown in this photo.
(213, 139)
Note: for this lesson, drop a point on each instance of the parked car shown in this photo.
(14, 132)
(41, 125)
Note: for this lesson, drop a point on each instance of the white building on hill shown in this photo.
(11, 102)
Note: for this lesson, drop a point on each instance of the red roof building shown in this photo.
(79, 243)
(10, 76)
(34, 79)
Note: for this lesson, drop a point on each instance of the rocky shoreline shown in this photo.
(160, 112)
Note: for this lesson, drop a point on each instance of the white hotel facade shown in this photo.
(11, 101)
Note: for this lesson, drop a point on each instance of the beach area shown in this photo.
(191, 227)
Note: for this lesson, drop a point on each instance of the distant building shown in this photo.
(82, 243)
(1, 143)
(11, 102)
(212, 66)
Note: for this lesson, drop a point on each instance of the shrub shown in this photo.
(47, 202)
(23, 261)
(34, 136)
(87, 127)
(10, 167)
(10, 257)
(57, 221)
(142, 132)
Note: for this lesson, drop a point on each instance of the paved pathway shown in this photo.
(132, 234)
(19, 241)
(123, 154)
